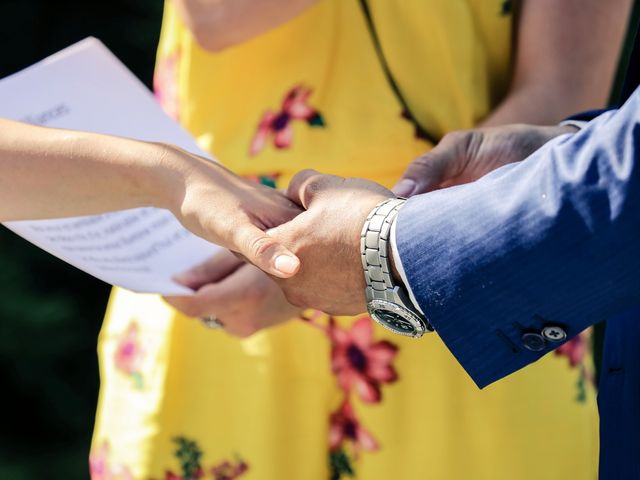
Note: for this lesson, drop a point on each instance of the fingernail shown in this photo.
(287, 264)
(185, 278)
(404, 188)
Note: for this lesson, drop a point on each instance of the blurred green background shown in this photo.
(50, 313)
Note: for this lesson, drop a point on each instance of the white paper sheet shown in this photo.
(85, 87)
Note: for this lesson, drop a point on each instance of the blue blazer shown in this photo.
(553, 240)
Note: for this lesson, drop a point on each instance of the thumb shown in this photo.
(430, 170)
(265, 252)
(307, 185)
(424, 174)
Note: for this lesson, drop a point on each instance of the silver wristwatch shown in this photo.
(388, 304)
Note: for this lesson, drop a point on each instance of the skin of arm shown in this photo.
(51, 173)
(565, 60)
(79, 170)
(219, 24)
(566, 56)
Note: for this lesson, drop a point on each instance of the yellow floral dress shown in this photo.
(320, 397)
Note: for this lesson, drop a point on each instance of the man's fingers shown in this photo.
(430, 170)
(307, 184)
(265, 252)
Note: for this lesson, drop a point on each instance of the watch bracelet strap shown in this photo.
(374, 246)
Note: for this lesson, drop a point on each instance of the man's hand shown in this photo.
(326, 238)
(240, 295)
(467, 155)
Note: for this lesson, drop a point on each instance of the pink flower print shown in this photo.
(129, 354)
(229, 471)
(575, 350)
(100, 468)
(278, 125)
(189, 455)
(169, 475)
(165, 84)
(344, 426)
(358, 362)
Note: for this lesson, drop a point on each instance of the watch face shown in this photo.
(396, 318)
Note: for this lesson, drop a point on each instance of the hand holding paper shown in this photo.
(56, 173)
(60, 172)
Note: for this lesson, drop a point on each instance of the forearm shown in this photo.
(48, 173)
(218, 24)
(538, 104)
(565, 60)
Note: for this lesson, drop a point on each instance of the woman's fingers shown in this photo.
(216, 298)
(211, 270)
(245, 302)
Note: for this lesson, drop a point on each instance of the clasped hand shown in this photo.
(325, 235)
(326, 238)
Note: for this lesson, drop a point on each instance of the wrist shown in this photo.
(387, 300)
(130, 164)
(165, 180)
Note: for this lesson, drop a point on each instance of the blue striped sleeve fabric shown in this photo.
(554, 239)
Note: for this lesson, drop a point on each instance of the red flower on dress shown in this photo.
(189, 455)
(169, 475)
(99, 463)
(101, 469)
(229, 471)
(358, 362)
(129, 354)
(278, 125)
(344, 426)
(165, 84)
(575, 350)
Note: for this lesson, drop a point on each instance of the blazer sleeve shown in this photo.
(551, 240)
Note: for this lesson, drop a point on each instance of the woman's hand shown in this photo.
(466, 155)
(227, 210)
(241, 296)
(53, 173)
